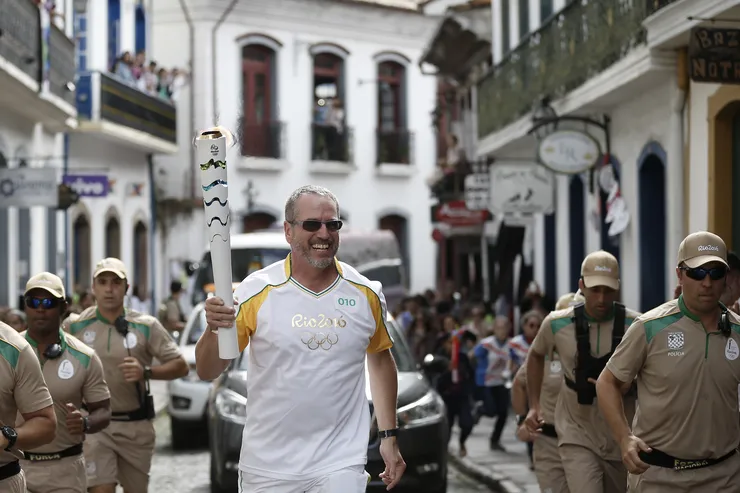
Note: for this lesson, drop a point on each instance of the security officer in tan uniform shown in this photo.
(584, 336)
(74, 375)
(548, 467)
(127, 342)
(22, 390)
(686, 357)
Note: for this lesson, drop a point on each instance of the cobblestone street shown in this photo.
(187, 471)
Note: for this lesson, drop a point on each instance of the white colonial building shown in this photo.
(670, 139)
(36, 107)
(123, 128)
(318, 92)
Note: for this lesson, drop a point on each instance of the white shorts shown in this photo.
(348, 480)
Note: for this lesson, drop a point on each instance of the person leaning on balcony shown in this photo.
(685, 355)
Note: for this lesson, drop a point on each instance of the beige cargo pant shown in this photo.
(589, 473)
(548, 467)
(66, 475)
(719, 478)
(14, 484)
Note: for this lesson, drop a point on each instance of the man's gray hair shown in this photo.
(290, 204)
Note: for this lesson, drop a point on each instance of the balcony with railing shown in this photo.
(329, 143)
(579, 42)
(263, 140)
(62, 69)
(107, 105)
(394, 146)
(30, 57)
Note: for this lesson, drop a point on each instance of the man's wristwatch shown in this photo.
(86, 424)
(388, 433)
(10, 435)
(147, 373)
(520, 419)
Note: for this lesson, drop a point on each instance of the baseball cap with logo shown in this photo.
(600, 269)
(48, 282)
(701, 248)
(113, 265)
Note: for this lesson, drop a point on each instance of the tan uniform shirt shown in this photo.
(552, 382)
(687, 382)
(76, 375)
(22, 386)
(146, 339)
(577, 424)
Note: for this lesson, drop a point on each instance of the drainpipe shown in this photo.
(675, 170)
(153, 232)
(214, 78)
(191, 130)
(65, 170)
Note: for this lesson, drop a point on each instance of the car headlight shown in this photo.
(428, 409)
(231, 406)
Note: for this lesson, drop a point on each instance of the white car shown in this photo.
(188, 395)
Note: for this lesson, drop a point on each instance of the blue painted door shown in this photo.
(652, 215)
(577, 233)
(140, 28)
(114, 31)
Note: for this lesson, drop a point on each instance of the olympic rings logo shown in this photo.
(314, 341)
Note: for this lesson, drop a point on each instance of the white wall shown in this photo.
(126, 166)
(364, 33)
(698, 155)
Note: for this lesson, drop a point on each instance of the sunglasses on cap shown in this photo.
(313, 225)
(45, 303)
(699, 273)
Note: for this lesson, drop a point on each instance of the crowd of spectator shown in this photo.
(149, 77)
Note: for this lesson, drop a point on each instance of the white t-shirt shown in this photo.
(307, 409)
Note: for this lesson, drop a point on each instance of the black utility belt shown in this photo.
(40, 457)
(138, 415)
(9, 470)
(549, 430)
(661, 459)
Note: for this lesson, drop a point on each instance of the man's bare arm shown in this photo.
(519, 396)
(611, 404)
(39, 428)
(535, 372)
(384, 388)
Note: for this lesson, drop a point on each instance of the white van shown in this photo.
(375, 254)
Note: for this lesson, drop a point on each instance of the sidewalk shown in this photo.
(505, 472)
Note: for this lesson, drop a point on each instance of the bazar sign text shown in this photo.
(714, 55)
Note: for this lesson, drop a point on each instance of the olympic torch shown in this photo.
(211, 151)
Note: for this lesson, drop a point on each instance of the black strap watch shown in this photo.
(86, 424)
(10, 435)
(147, 373)
(388, 433)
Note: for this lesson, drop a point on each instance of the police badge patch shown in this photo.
(675, 341)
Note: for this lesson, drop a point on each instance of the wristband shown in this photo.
(388, 433)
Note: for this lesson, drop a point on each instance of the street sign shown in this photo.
(714, 55)
(477, 186)
(28, 187)
(521, 188)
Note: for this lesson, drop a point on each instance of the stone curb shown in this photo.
(496, 481)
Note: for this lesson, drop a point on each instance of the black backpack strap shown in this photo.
(583, 344)
(620, 314)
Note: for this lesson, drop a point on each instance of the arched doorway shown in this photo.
(81, 247)
(577, 230)
(24, 239)
(652, 214)
(141, 259)
(113, 237)
(4, 298)
(256, 221)
(399, 226)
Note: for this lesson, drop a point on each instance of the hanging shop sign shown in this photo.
(455, 213)
(518, 188)
(87, 185)
(569, 151)
(28, 187)
(714, 55)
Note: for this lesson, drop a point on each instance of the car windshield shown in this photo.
(244, 261)
(400, 350)
(199, 325)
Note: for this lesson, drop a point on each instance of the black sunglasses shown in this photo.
(699, 273)
(312, 225)
(45, 303)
